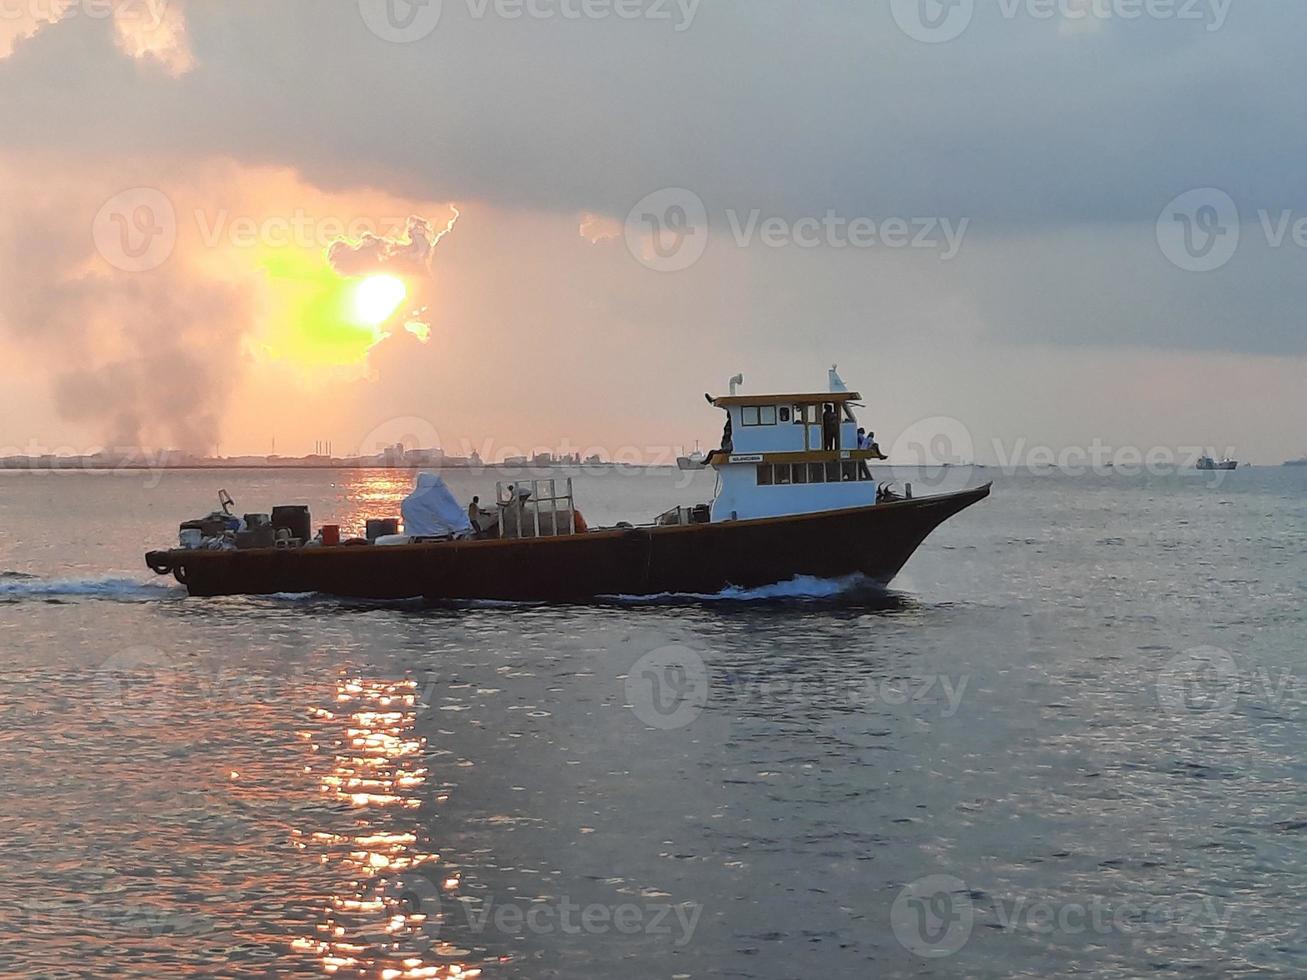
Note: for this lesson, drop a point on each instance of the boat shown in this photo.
(1207, 463)
(793, 498)
(696, 460)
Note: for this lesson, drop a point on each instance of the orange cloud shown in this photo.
(144, 29)
(145, 306)
(596, 228)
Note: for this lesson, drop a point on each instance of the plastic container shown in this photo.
(330, 535)
(294, 518)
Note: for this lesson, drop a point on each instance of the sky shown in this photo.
(512, 225)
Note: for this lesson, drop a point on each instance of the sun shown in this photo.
(376, 298)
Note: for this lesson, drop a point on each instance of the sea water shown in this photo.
(1068, 740)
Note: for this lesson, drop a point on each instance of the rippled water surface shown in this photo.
(1069, 741)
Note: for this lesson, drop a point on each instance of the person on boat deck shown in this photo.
(830, 428)
(874, 446)
(863, 441)
(474, 513)
(727, 445)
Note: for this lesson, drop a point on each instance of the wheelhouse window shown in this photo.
(785, 413)
(797, 474)
(758, 415)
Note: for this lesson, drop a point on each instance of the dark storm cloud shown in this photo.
(1062, 141)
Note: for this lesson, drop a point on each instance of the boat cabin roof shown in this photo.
(811, 398)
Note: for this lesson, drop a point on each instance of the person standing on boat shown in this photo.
(474, 513)
(830, 428)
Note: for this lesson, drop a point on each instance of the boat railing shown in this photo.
(535, 508)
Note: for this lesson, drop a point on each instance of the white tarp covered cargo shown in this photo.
(431, 510)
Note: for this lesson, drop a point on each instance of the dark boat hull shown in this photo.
(702, 559)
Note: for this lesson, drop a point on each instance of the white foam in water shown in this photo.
(799, 587)
(16, 585)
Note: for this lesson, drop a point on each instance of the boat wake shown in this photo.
(852, 590)
(19, 586)
(849, 589)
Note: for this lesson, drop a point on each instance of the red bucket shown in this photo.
(330, 534)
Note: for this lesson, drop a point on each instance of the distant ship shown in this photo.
(696, 460)
(1207, 463)
(1296, 462)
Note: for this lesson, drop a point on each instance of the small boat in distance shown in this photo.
(696, 460)
(1207, 463)
(795, 496)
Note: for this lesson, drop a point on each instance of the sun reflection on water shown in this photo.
(386, 918)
